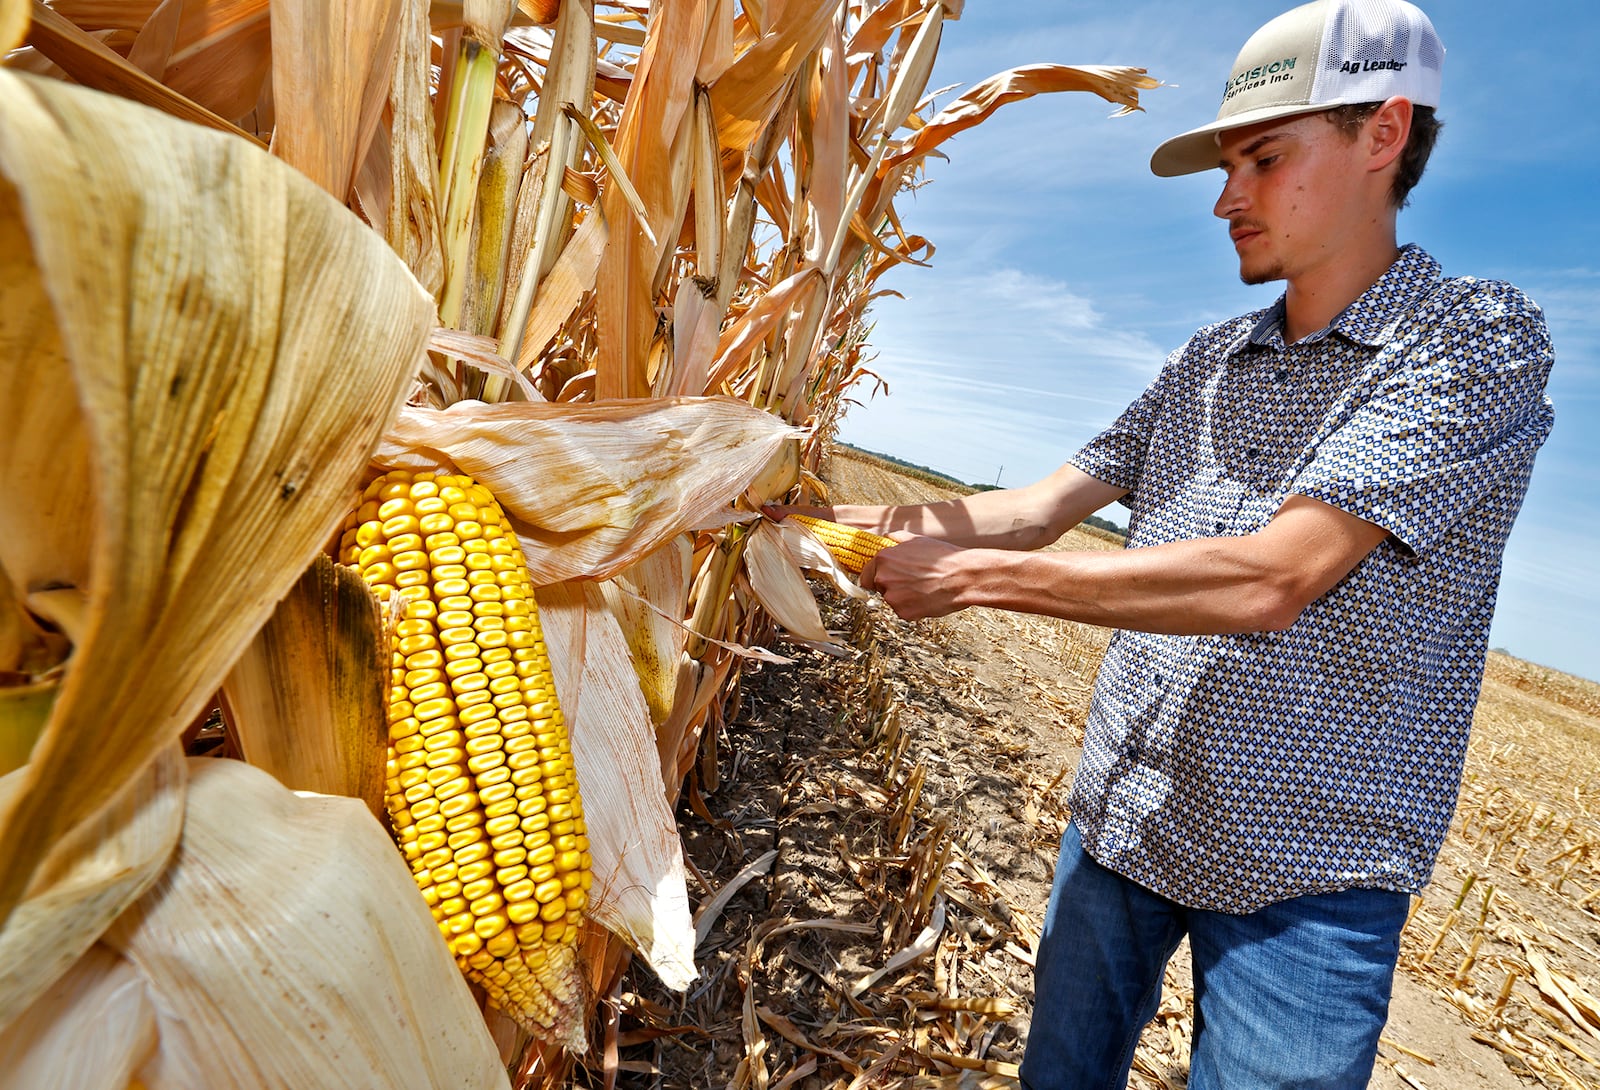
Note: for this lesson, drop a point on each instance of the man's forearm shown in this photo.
(969, 521)
(1250, 583)
(1013, 518)
(1205, 586)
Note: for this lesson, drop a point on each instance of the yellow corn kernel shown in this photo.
(851, 548)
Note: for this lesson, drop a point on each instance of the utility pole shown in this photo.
(999, 471)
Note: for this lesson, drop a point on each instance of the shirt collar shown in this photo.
(1374, 316)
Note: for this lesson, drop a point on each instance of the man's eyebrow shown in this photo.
(1259, 142)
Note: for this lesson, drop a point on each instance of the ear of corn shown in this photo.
(851, 547)
(481, 789)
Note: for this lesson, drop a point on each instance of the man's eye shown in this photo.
(1266, 161)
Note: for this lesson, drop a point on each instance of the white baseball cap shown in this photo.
(1327, 53)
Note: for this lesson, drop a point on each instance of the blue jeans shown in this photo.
(1293, 995)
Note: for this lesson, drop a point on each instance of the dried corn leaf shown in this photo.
(223, 56)
(747, 95)
(879, 25)
(330, 79)
(152, 47)
(572, 277)
(412, 226)
(306, 700)
(711, 911)
(569, 59)
(696, 322)
(92, 63)
(1114, 83)
(639, 885)
(592, 489)
(211, 55)
(236, 341)
(658, 102)
(286, 946)
(919, 947)
(14, 16)
(741, 338)
(911, 74)
(1552, 989)
(827, 145)
(541, 11)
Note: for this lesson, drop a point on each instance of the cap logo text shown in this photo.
(1372, 66)
(1250, 78)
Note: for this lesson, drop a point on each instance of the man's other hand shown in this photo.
(918, 577)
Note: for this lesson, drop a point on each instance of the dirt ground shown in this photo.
(873, 855)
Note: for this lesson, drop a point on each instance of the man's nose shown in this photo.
(1231, 201)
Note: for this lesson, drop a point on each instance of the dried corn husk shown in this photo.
(592, 489)
(91, 876)
(810, 554)
(221, 344)
(94, 1029)
(306, 701)
(648, 599)
(639, 884)
(284, 946)
(778, 584)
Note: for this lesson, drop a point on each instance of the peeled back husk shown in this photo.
(284, 945)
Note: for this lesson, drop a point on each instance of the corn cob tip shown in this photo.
(850, 547)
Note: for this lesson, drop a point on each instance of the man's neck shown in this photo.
(1318, 296)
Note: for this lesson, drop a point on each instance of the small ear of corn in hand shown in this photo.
(481, 789)
(851, 547)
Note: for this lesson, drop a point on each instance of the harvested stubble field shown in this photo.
(872, 854)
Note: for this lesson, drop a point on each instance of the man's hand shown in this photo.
(919, 577)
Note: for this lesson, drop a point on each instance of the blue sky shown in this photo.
(1065, 272)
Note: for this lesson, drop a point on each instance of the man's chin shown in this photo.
(1260, 274)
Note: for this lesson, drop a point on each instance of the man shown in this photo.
(1320, 493)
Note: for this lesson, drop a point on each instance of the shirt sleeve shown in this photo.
(1117, 455)
(1463, 414)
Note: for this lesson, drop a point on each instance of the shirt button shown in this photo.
(1280, 375)
(1253, 452)
(1221, 526)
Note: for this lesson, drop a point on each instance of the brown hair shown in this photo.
(1419, 144)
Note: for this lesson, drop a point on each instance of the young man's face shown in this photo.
(1293, 195)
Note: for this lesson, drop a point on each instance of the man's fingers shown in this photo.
(778, 511)
(867, 580)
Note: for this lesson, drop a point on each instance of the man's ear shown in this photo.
(1387, 132)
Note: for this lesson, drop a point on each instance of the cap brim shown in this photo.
(1196, 150)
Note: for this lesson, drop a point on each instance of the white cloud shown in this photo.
(997, 367)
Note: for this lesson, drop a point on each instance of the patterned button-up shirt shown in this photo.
(1229, 772)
